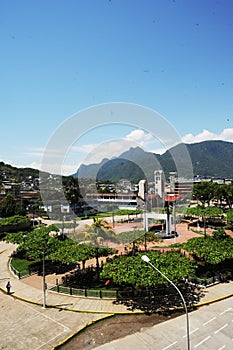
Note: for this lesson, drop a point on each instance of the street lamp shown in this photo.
(43, 273)
(63, 226)
(145, 226)
(43, 283)
(147, 260)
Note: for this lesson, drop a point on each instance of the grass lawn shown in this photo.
(22, 265)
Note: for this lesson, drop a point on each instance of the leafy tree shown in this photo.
(219, 234)
(131, 270)
(8, 206)
(99, 231)
(229, 195)
(230, 217)
(211, 249)
(201, 211)
(15, 237)
(71, 189)
(70, 252)
(204, 191)
(14, 220)
(66, 252)
(39, 243)
(220, 193)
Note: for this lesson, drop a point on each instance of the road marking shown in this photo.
(167, 347)
(218, 330)
(48, 342)
(203, 341)
(40, 313)
(196, 329)
(222, 347)
(222, 313)
(212, 319)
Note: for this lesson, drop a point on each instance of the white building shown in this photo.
(142, 189)
(159, 183)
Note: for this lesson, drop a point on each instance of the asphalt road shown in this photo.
(211, 328)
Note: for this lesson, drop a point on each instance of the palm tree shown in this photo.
(98, 226)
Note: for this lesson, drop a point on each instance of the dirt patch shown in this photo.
(113, 328)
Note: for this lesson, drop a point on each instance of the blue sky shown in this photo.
(61, 57)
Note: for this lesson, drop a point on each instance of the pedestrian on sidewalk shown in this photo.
(8, 287)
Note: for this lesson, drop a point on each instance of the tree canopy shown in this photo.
(131, 270)
(211, 249)
(205, 192)
(9, 207)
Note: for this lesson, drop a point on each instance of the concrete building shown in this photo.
(159, 183)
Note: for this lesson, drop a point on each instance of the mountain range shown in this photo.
(208, 159)
(211, 159)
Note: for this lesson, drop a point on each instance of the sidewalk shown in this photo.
(22, 291)
(86, 310)
(28, 326)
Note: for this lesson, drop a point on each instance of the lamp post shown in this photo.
(43, 280)
(145, 226)
(147, 260)
(63, 226)
(204, 225)
(25, 237)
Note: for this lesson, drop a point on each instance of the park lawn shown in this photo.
(22, 265)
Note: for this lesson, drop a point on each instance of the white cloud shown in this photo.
(138, 136)
(90, 153)
(206, 135)
(94, 153)
(227, 135)
(86, 148)
(108, 150)
(68, 169)
(159, 150)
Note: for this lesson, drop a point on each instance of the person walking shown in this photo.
(8, 287)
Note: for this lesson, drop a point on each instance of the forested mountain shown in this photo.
(209, 159)
(8, 172)
(212, 158)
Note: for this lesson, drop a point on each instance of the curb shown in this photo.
(66, 340)
(213, 300)
(108, 314)
(80, 330)
(49, 306)
(118, 312)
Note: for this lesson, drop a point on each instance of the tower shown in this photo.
(159, 183)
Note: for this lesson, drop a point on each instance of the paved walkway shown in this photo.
(29, 326)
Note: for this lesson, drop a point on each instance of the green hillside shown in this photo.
(208, 159)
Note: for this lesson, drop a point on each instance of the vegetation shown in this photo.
(211, 250)
(206, 254)
(46, 242)
(220, 194)
(229, 217)
(71, 189)
(16, 174)
(131, 270)
(130, 236)
(24, 267)
(70, 252)
(97, 233)
(209, 159)
(14, 220)
(9, 207)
